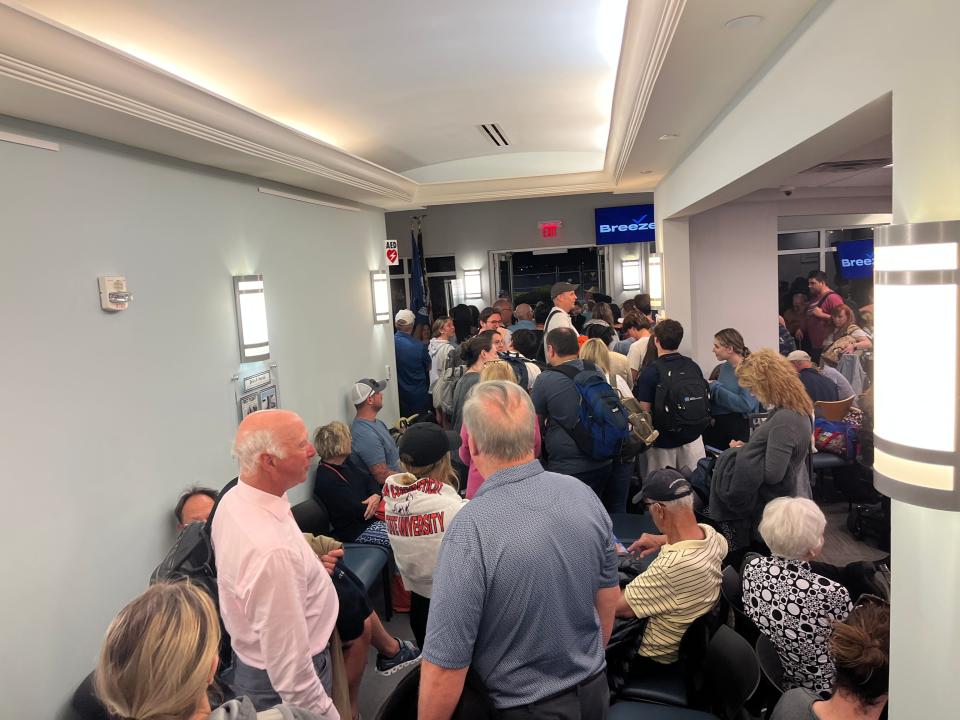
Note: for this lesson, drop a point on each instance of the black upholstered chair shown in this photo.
(367, 562)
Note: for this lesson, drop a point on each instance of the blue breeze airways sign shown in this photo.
(626, 224)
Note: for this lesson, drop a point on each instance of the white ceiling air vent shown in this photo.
(493, 133)
(845, 166)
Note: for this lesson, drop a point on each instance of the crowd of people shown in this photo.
(496, 505)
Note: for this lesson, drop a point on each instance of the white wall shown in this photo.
(469, 231)
(733, 268)
(109, 416)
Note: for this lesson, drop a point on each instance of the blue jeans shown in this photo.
(255, 683)
(618, 488)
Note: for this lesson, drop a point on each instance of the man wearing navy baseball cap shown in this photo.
(683, 582)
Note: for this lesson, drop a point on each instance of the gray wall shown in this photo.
(471, 230)
(108, 417)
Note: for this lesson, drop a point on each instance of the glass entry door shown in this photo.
(526, 276)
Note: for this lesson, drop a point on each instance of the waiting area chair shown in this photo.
(833, 410)
(731, 588)
(367, 562)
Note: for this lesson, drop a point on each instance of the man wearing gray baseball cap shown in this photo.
(373, 447)
(564, 296)
(683, 582)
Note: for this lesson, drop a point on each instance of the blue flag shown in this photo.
(419, 290)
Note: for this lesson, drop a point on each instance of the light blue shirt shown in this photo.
(727, 396)
(523, 325)
(373, 445)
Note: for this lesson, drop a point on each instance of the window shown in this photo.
(798, 253)
(440, 270)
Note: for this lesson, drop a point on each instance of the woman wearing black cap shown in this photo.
(420, 503)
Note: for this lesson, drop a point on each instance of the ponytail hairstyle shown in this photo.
(861, 652)
(730, 338)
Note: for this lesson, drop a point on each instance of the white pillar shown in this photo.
(673, 243)
(926, 187)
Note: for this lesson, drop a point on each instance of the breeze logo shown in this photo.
(631, 227)
(857, 262)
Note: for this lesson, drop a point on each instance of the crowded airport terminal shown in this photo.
(569, 359)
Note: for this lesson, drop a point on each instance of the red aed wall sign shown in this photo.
(393, 254)
(549, 228)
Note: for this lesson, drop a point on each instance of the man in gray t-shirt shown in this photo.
(557, 402)
(526, 582)
(373, 448)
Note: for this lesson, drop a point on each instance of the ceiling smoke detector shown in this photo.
(494, 134)
(744, 21)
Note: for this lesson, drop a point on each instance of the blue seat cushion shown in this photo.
(666, 686)
(365, 561)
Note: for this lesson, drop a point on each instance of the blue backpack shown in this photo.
(603, 425)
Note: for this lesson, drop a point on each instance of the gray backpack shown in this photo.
(443, 389)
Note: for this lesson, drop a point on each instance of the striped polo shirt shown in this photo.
(680, 585)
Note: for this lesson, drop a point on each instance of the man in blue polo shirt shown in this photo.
(373, 448)
(413, 367)
(525, 586)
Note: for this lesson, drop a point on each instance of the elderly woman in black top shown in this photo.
(349, 493)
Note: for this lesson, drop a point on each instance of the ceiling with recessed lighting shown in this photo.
(386, 103)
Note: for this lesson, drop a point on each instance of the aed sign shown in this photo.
(625, 224)
(393, 253)
(855, 259)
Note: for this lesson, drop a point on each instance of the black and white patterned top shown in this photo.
(795, 608)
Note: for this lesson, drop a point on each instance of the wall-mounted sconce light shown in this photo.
(916, 273)
(472, 288)
(630, 270)
(380, 286)
(655, 278)
(251, 318)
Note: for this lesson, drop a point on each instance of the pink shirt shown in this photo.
(276, 598)
(474, 478)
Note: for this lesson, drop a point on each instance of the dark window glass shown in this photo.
(446, 263)
(839, 236)
(798, 240)
(438, 295)
(399, 269)
(398, 293)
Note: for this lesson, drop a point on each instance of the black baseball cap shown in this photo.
(663, 486)
(425, 443)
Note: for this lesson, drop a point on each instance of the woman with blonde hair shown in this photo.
(349, 492)
(730, 402)
(420, 504)
(160, 656)
(595, 350)
(492, 370)
(773, 462)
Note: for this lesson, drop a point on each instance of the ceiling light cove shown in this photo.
(611, 16)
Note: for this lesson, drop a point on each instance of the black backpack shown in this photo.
(519, 365)
(681, 404)
(191, 558)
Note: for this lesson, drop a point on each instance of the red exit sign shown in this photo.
(549, 228)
